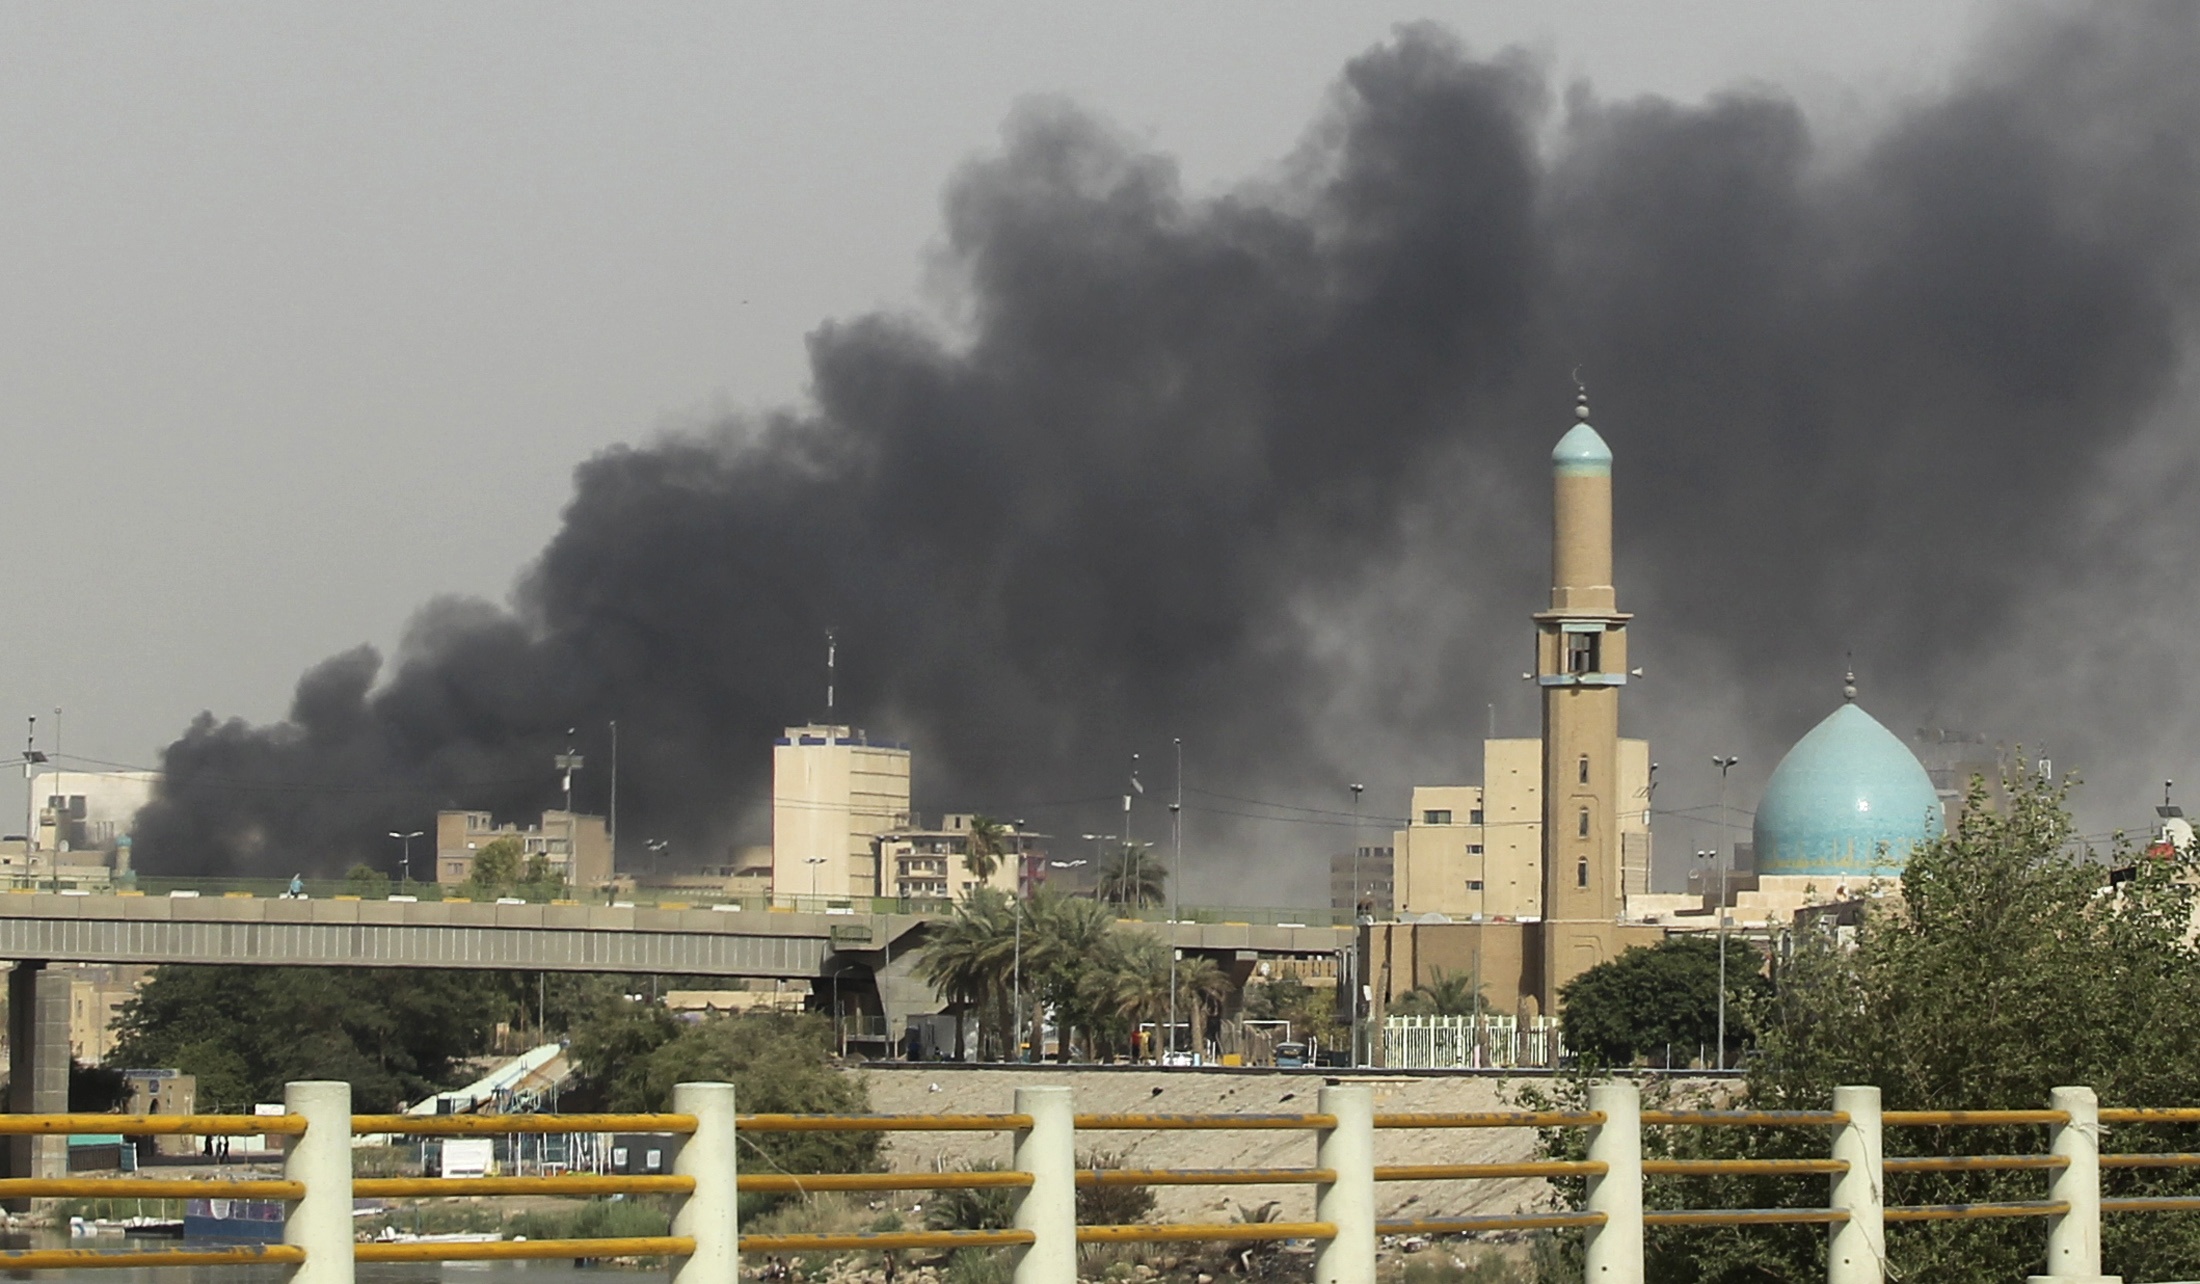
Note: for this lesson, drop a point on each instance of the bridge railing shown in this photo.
(318, 1186)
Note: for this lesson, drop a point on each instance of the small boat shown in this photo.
(391, 1235)
(257, 1221)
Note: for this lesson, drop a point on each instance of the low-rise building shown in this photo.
(577, 846)
(918, 863)
(97, 993)
(1471, 851)
(1375, 870)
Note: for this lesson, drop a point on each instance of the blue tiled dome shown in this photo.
(1849, 799)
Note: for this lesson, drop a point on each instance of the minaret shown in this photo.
(1581, 663)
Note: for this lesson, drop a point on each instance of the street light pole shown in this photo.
(31, 759)
(405, 857)
(1016, 987)
(1725, 764)
(568, 763)
(1176, 886)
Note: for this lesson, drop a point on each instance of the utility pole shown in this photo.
(61, 814)
(1724, 763)
(614, 822)
(1357, 892)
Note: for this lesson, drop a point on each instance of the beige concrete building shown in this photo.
(97, 992)
(1471, 850)
(1375, 869)
(577, 846)
(834, 791)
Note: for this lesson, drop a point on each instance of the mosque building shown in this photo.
(1548, 873)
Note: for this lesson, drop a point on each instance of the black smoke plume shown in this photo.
(1268, 471)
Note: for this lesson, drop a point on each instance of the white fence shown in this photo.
(1463, 1043)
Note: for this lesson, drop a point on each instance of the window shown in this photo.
(1436, 816)
(1584, 773)
(1581, 652)
(1583, 829)
(1474, 849)
(1581, 874)
(1475, 817)
(1474, 884)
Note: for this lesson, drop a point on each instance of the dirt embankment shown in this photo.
(920, 1089)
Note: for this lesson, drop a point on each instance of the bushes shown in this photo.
(596, 1219)
(779, 1063)
(2006, 965)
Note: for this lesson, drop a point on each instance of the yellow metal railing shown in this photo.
(1345, 1126)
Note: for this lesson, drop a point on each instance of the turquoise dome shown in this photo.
(1581, 450)
(1849, 799)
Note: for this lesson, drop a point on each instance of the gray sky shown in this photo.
(306, 312)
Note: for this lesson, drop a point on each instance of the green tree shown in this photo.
(1445, 993)
(1204, 988)
(778, 1063)
(987, 844)
(366, 881)
(1129, 986)
(394, 1034)
(1658, 997)
(969, 960)
(1132, 875)
(2007, 965)
(1065, 936)
(1312, 1012)
(497, 865)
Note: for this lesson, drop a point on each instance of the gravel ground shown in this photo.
(936, 1090)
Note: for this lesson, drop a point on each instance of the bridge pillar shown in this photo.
(38, 1064)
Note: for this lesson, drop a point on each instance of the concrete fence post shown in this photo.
(710, 1213)
(1048, 1208)
(1612, 1253)
(1347, 1203)
(320, 1158)
(2074, 1238)
(1857, 1253)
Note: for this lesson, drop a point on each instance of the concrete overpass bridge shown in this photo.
(867, 959)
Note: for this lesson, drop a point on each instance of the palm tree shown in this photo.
(969, 959)
(1132, 984)
(1065, 937)
(1207, 988)
(1443, 994)
(1133, 876)
(988, 843)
